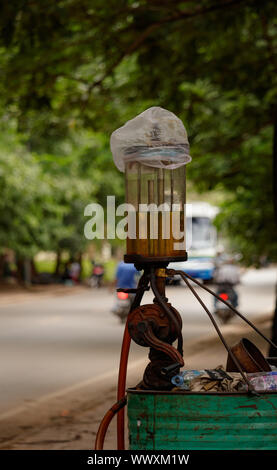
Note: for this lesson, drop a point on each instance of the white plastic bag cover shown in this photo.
(155, 138)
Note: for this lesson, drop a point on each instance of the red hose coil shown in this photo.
(101, 433)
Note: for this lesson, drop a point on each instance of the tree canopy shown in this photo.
(74, 70)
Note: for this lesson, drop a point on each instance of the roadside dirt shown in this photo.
(13, 293)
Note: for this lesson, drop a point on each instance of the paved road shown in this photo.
(53, 343)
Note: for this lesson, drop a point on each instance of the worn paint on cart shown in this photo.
(178, 421)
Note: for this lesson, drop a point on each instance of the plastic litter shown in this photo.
(155, 138)
(263, 381)
(185, 377)
(208, 380)
(219, 380)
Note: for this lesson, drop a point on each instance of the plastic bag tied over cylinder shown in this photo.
(152, 149)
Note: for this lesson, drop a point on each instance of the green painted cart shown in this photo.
(203, 421)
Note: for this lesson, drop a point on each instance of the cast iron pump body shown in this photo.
(157, 326)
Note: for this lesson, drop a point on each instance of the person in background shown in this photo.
(66, 278)
(126, 276)
(97, 274)
(75, 270)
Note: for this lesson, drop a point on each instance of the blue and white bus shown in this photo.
(201, 237)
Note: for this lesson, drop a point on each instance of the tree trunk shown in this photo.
(27, 271)
(2, 259)
(80, 259)
(273, 351)
(34, 273)
(20, 270)
(274, 166)
(58, 263)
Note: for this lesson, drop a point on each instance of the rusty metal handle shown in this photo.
(167, 310)
(148, 335)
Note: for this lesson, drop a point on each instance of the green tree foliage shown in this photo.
(43, 195)
(80, 64)
(33, 202)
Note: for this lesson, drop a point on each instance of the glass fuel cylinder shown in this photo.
(158, 198)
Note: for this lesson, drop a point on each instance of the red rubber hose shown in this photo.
(143, 283)
(121, 387)
(101, 433)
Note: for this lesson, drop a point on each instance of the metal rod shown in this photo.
(150, 218)
(171, 189)
(139, 184)
(250, 386)
(182, 274)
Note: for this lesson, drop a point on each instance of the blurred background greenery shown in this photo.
(72, 71)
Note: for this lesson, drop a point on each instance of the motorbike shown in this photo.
(122, 305)
(225, 292)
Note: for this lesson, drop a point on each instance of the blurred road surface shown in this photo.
(53, 343)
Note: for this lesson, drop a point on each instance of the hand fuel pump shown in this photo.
(153, 150)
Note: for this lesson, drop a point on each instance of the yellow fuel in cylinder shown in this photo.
(158, 196)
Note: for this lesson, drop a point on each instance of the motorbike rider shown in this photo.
(125, 278)
(226, 277)
(97, 274)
